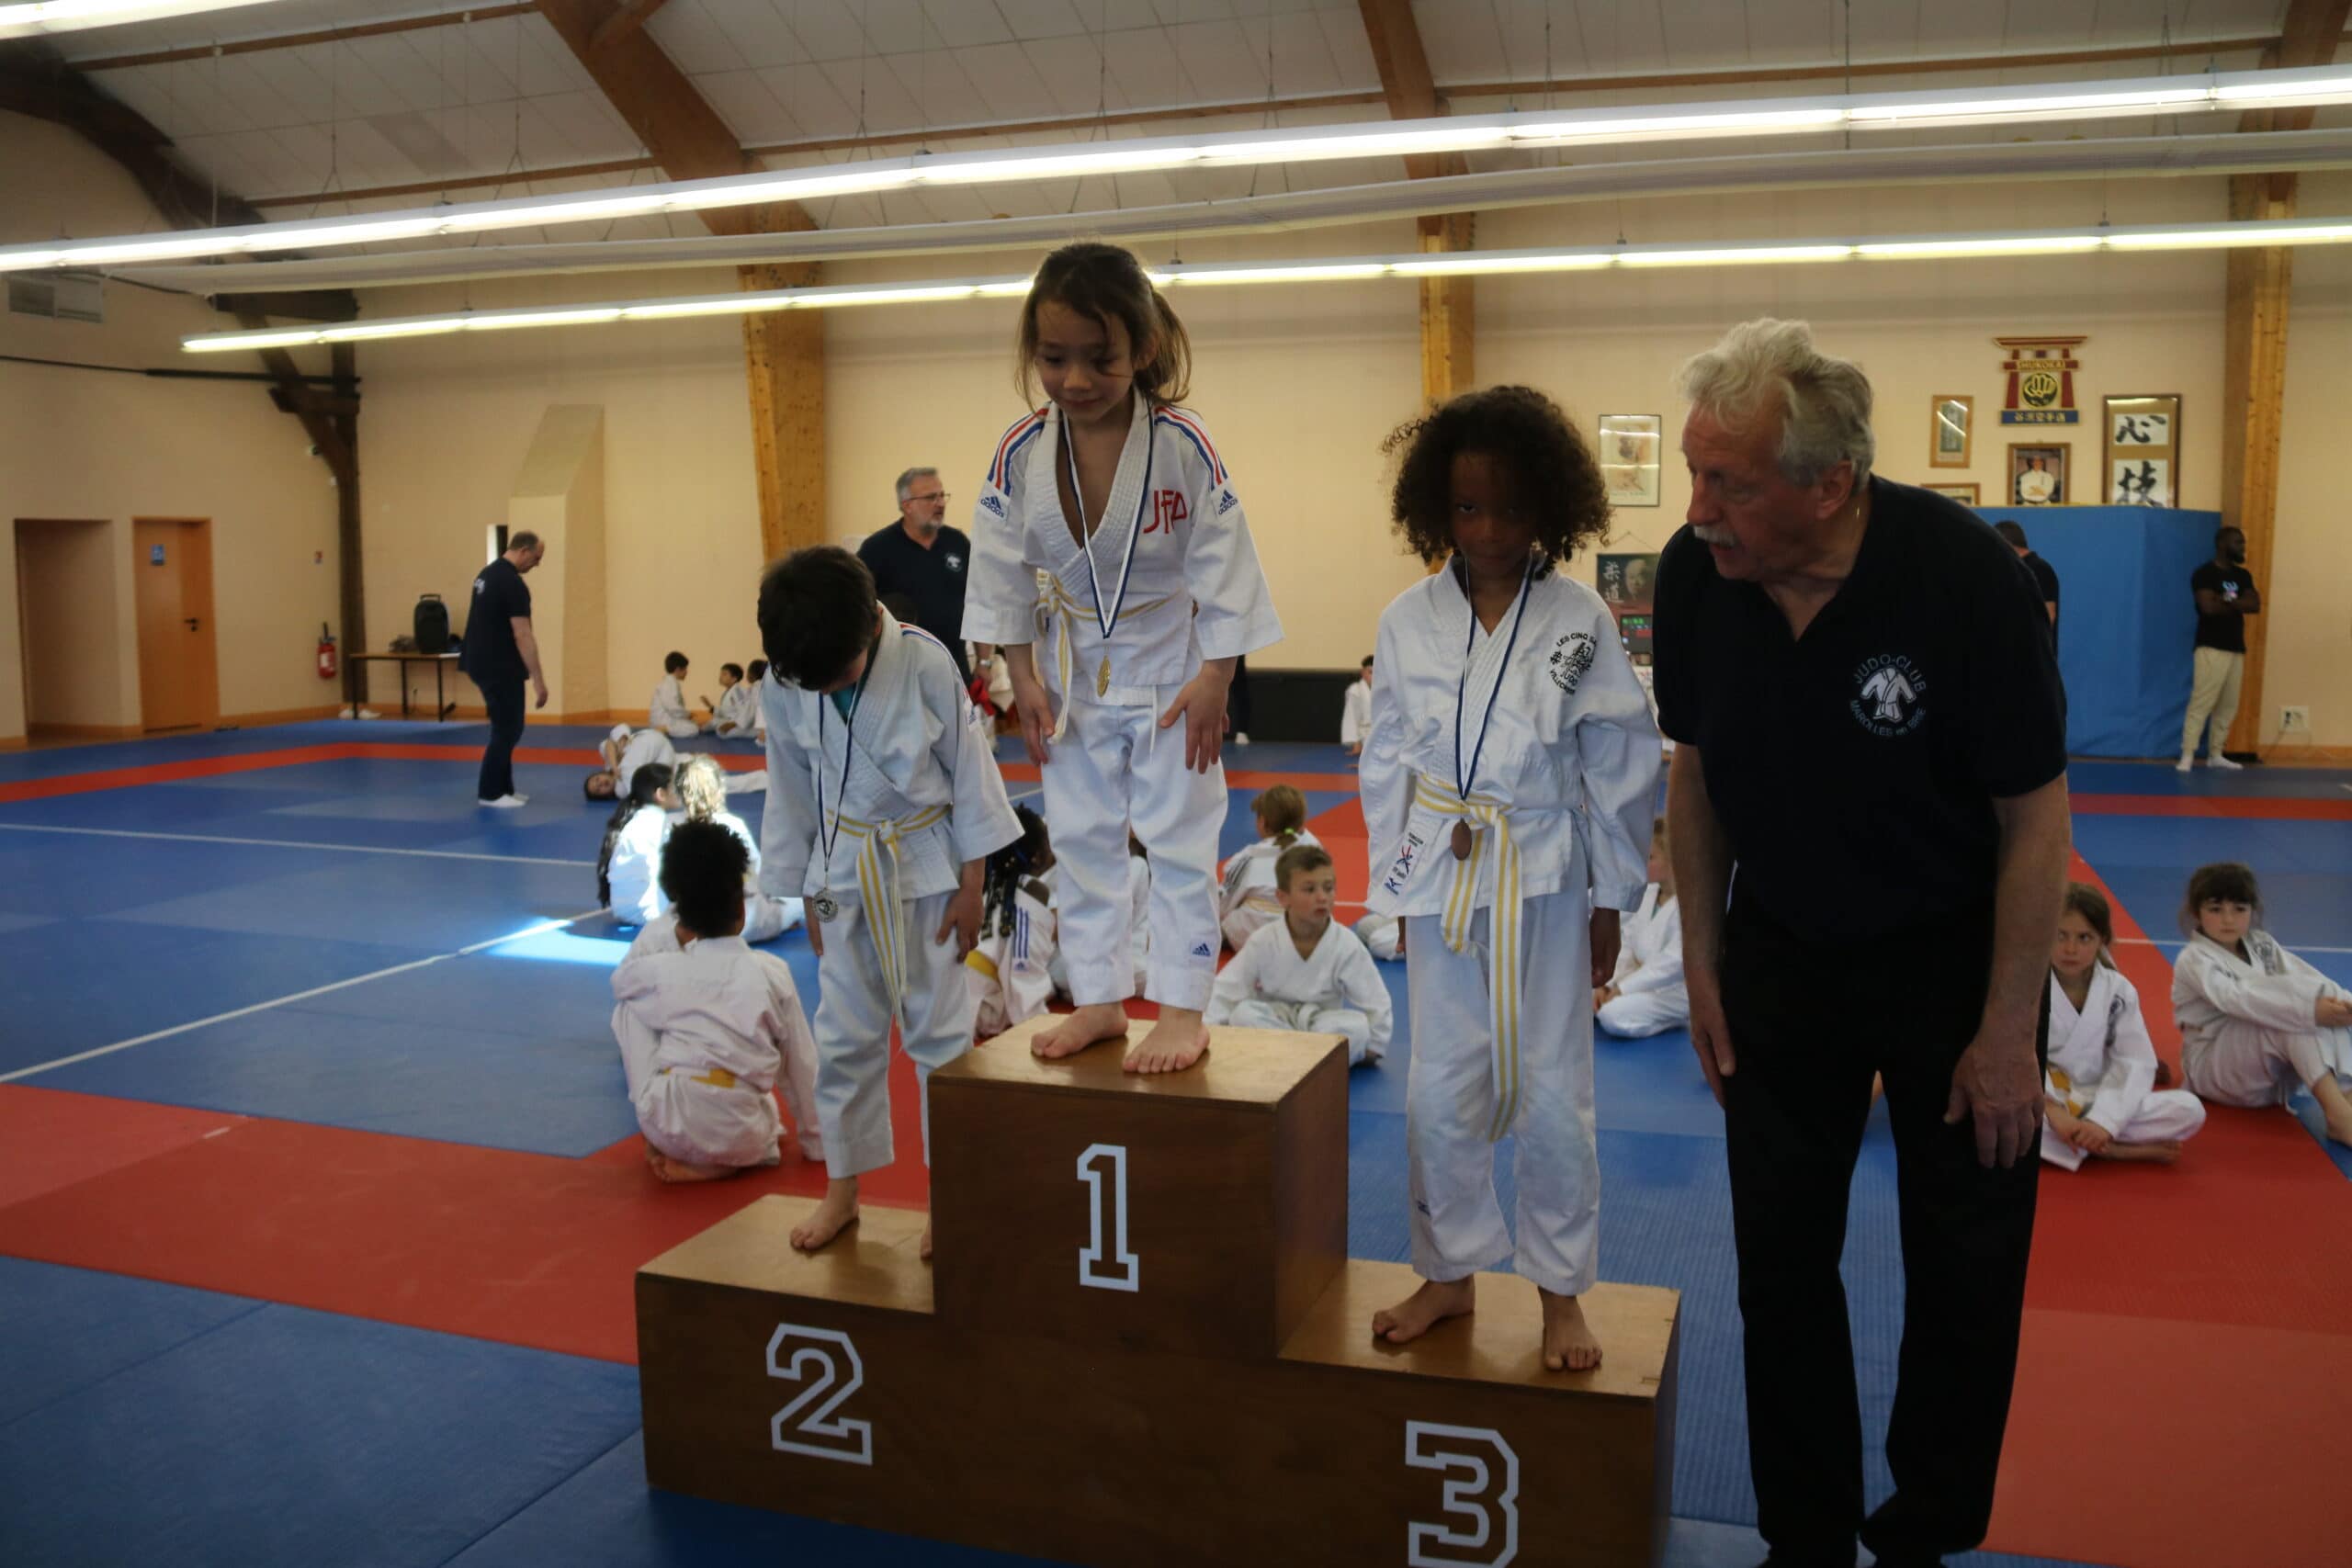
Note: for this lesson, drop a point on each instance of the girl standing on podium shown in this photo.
(1507, 785)
(1151, 592)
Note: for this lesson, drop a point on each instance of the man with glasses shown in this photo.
(924, 559)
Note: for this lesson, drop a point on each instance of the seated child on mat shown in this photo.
(622, 753)
(701, 788)
(706, 1027)
(1647, 994)
(1011, 969)
(1355, 711)
(2101, 1083)
(736, 713)
(667, 710)
(1305, 971)
(629, 866)
(2255, 1020)
(1246, 898)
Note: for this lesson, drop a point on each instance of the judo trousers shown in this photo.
(854, 1025)
(1809, 1026)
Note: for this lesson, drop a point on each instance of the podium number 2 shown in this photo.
(806, 1425)
(1091, 1166)
(1483, 1498)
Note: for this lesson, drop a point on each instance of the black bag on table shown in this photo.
(432, 624)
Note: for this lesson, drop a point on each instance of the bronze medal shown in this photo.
(1462, 840)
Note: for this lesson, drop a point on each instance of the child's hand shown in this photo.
(2089, 1137)
(2332, 1012)
(962, 919)
(1202, 705)
(1035, 710)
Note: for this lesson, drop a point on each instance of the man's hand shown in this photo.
(1605, 943)
(1201, 704)
(539, 691)
(1036, 711)
(963, 917)
(1710, 1035)
(1998, 1086)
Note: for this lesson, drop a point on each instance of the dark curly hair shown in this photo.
(817, 611)
(1553, 478)
(703, 866)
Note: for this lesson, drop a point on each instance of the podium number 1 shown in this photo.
(1128, 1269)
(807, 1426)
(1484, 1497)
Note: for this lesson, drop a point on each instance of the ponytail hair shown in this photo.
(702, 787)
(1107, 283)
(1282, 814)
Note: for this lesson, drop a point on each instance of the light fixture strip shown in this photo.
(73, 16)
(2196, 236)
(1519, 129)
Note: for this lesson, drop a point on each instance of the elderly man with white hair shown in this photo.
(1873, 739)
(925, 560)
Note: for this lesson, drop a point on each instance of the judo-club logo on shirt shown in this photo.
(952, 563)
(1891, 696)
(1571, 657)
(1168, 509)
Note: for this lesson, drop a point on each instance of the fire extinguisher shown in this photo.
(326, 652)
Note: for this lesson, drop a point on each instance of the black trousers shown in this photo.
(1810, 1024)
(504, 698)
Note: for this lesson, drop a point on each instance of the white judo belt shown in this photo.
(1487, 818)
(1061, 603)
(877, 887)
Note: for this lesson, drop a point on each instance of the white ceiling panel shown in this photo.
(760, 34)
(895, 26)
(1217, 58)
(753, 112)
(409, 80)
(935, 89)
(2049, 24)
(1295, 58)
(1070, 69)
(297, 83)
(966, 24)
(1351, 50)
(1007, 83)
(415, 146)
(828, 29)
(824, 99)
(1030, 20)
(1463, 43)
(1147, 72)
(690, 33)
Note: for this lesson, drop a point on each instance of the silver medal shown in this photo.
(824, 907)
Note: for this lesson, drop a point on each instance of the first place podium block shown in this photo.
(1140, 1343)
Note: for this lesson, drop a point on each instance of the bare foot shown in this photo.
(1568, 1344)
(1436, 1300)
(2151, 1154)
(834, 1216)
(676, 1170)
(1174, 1043)
(1087, 1026)
(926, 1241)
(2340, 1129)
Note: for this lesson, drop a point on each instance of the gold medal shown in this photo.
(1462, 840)
(1103, 679)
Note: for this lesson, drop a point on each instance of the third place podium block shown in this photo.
(1141, 1342)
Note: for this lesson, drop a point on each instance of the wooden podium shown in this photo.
(1141, 1342)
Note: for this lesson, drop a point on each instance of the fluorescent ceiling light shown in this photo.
(1750, 117)
(2210, 236)
(70, 16)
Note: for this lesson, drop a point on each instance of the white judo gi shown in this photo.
(1246, 903)
(2248, 1036)
(738, 712)
(1355, 713)
(1336, 991)
(1651, 996)
(706, 1033)
(639, 748)
(634, 873)
(1010, 971)
(764, 918)
(1175, 577)
(1560, 797)
(2103, 1068)
(1139, 924)
(922, 797)
(1381, 936)
(666, 711)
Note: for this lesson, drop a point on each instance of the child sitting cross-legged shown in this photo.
(1305, 971)
(2101, 1083)
(1246, 898)
(707, 1027)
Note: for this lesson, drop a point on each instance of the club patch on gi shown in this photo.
(1571, 657)
(1891, 696)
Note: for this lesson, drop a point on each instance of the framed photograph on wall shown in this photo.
(1966, 494)
(2143, 450)
(2038, 474)
(1627, 581)
(1629, 457)
(1951, 422)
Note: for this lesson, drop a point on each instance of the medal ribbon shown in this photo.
(1106, 618)
(825, 840)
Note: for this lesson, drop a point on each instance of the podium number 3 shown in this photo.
(1127, 1269)
(806, 1425)
(1483, 1498)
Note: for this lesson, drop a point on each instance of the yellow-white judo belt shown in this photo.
(1062, 603)
(877, 887)
(1487, 819)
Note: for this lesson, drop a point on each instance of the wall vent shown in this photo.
(61, 296)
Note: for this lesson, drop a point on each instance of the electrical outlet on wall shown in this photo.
(2293, 718)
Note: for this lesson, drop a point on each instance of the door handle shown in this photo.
(191, 623)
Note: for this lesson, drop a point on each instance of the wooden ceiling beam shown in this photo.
(1448, 319)
(625, 21)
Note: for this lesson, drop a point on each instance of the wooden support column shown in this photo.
(784, 352)
(2253, 365)
(1448, 338)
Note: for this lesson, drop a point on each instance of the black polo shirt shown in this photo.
(2046, 575)
(2225, 631)
(1855, 769)
(489, 652)
(932, 578)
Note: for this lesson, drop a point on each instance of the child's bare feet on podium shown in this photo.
(1088, 1025)
(668, 1170)
(1568, 1344)
(1174, 1043)
(834, 1216)
(1436, 1300)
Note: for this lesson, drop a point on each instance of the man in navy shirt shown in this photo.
(1871, 734)
(500, 653)
(922, 558)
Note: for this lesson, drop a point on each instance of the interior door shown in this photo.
(178, 679)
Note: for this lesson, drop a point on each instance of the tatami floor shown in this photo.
(320, 1200)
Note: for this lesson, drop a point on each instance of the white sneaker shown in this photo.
(1239, 739)
(2218, 760)
(504, 802)
(2188, 761)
